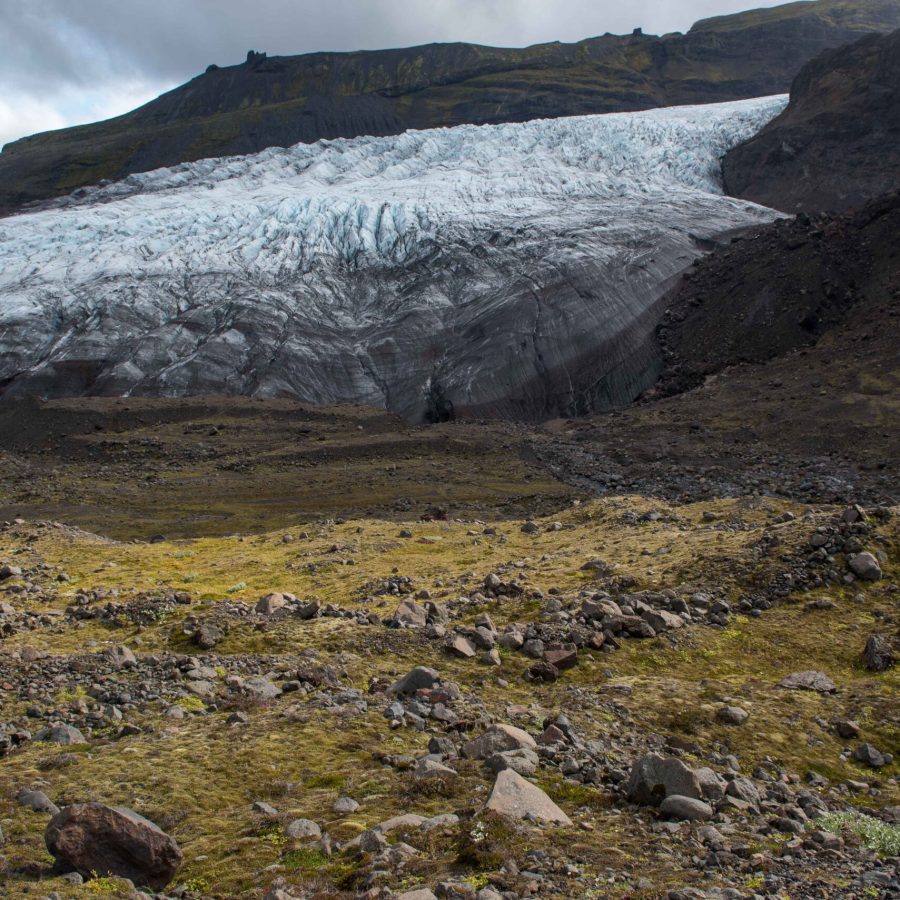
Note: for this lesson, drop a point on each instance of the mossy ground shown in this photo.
(135, 467)
(198, 777)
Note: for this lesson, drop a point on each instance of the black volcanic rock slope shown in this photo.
(837, 144)
(280, 101)
(781, 288)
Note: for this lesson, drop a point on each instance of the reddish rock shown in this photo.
(562, 659)
(97, 840)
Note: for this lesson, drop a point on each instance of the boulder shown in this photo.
(685, 808)
(809, 681)
(869, 755)
(208, 635)
(497, 739)
(564, 658)
(37, 801)
(878, 655)
(460, 646)
(660, 620)
(61, 734)
(417, 679)
(270, 603)
(303, 829)
(732, 715)
(744, 790)
(517, 798)
(654, 777)
(712, 785)
(523, 761)
(93, 839)
(260, 688)
(121, 657)
(410, 614)
(865, 566)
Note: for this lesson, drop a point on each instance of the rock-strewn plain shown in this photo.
(384, 627)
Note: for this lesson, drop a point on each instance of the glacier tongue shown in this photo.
(510, 269)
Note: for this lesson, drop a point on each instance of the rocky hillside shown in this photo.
(836, 145)
(778, 289)
(279, 101)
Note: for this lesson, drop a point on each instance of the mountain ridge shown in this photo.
(835, 146)
(280, 101)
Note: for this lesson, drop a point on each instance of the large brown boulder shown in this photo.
(97, 840)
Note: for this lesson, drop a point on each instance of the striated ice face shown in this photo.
(489, 260)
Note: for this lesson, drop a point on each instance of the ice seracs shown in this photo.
(510, 269)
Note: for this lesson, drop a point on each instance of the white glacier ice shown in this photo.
(518, 267)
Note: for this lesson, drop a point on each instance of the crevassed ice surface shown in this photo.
(512, 269)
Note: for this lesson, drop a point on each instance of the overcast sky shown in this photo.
(66, 62)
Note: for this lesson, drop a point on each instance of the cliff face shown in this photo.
(277, 102)
(510, 270)
(837, 144)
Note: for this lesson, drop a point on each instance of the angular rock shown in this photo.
(732, 715)
(93, 839)
(869, 755)
(497, 739)
(517, 798)
(660, 620)
(685, 808)
(345, 805)
(37, 801)
(865, 566)
(303, 829)
(523, 761)
(271, 603)
(410, 614)
(809, 681)
(460, 646)
(878, 655)
(61, 734)
(417, 679)
(654, 777)
(562, 659)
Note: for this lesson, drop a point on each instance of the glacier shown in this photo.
(506, 270)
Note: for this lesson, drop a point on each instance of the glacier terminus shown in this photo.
(513, 270)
